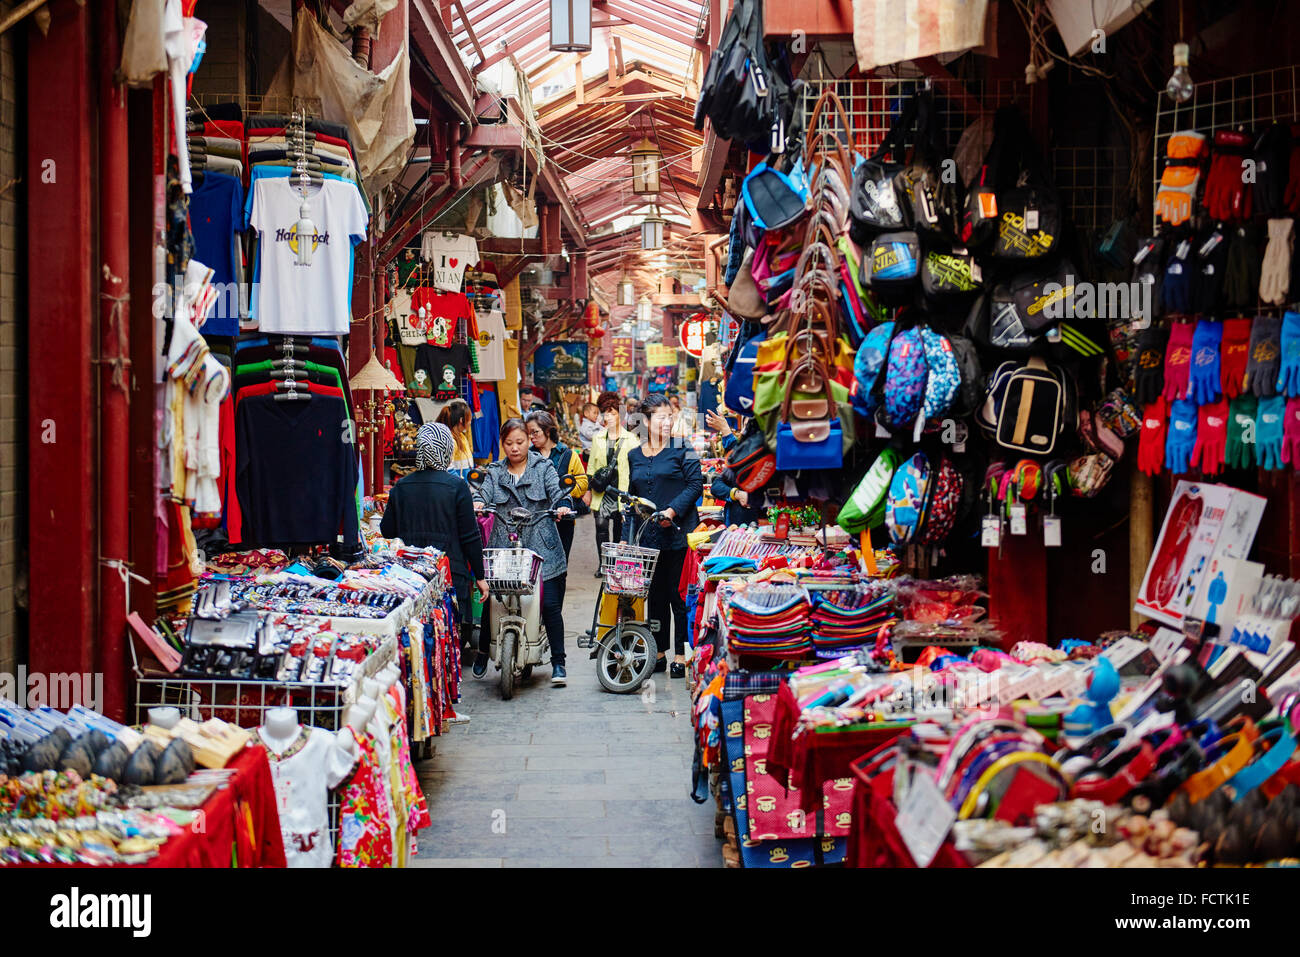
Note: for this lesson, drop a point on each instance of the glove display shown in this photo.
(1240, 452)
(1149, 270)
(1264, 358)
(1232, 356)
(1275, 270)
(1288, 380)
(1178, 360)
(1176, 196)
(1151, 443)
(1149, 365)
(1242, 273)
(1226, 194)
(1211, 437)
(1176, 290)
(1203, 376)
(1270, 431)
(1291, 200)
(1272, 154)
(1211, 266)
(1181, 439)
(1291, 434)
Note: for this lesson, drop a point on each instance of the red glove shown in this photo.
(1227, 197)
(1151, 444)
(1178, 360)
(1211, 437)
(1291, 434)
(1233, 355)
(1292, 197)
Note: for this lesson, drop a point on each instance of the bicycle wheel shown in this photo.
(508, 665)
(626, 659)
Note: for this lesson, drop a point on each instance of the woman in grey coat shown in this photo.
(525, 479)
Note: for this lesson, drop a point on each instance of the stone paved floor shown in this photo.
(569, 776)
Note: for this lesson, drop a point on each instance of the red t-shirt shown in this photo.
(441, 312)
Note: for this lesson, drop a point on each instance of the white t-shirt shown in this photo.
(315, 763)
(491, 347)
(289, 298)
(450, 254)
(400, 306)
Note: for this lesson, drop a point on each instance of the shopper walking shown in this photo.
(457, 417)
(526, 479)
(432, 507)
(668, 474)
(608, 460)
(544, 434)
(739, 507)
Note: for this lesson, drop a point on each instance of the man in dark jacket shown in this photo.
(432, 507)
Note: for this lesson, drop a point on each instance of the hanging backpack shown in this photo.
(970, 396)
(909, 496)
(931, 199)
(891, 263)
(1028, 407)
(943, 379)
(874, 203)
(866, 506)
(945, 503)
(948, 274)
(906, 376)
(739, 392)
(1028, 208)
(867, 364)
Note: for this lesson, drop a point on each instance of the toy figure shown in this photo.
(1103, 684)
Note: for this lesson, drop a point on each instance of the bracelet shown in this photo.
(1282, 745)
(1173, 767)
(1237, 750)
(1112, 790)
(1001, 764)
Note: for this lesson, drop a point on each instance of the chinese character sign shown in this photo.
(624, 352)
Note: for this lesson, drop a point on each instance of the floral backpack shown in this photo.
(943, 379)
(945, 503)
(909, 497)
(906, 377)
(867, 365)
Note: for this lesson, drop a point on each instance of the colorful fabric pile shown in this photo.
(766, 618)
(848, 619)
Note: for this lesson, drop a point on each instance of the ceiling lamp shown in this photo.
(571, 26)
(645, 168)
(652, 230)
(626, 292)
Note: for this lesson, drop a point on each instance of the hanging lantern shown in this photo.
(652, 230)
(644, 310)
(626, 293)
(571, 26)
(598, 333)
(645, 168)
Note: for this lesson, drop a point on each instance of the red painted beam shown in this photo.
(62, 535)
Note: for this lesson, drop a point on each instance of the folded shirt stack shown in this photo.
(839, 622)
(768, 619)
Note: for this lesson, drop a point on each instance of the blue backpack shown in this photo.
(909, 498)
(867, 364)
(944, 377)
(906, 377)
(739, 393)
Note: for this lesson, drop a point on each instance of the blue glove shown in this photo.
(1177, 288)
(1270, 426)
(1289, 380)
(1182, 436)
(1203, 378)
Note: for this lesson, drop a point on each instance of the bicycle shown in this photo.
(626, 651)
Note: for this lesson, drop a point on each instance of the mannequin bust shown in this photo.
(359, 714)
(281, 728)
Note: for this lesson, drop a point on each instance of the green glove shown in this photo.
(1241, 432)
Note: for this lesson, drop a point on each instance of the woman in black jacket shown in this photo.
(433, 507)
(668, 474)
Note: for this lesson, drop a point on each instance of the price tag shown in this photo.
(991, 536)
(1143, 251)
(1019, 523)
(1031, 219)
(882, 432)
(1051, 531)
(1184, 248)
(924, 819)
(976, 273)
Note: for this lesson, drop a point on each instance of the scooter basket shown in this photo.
(512, 571)
(628, 569)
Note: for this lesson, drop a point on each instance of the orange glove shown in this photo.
(1184, 155)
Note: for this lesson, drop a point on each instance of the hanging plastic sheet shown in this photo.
(930, 27)
(375, 106)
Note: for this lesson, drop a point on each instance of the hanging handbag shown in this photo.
(809, 435)
(948, 274)
(930, 194)
(1029, 209)
(751, 461)
(891, 263)
(739, 392)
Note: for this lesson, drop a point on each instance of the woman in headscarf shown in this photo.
(433, 507)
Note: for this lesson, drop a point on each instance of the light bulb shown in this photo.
(1180, 87)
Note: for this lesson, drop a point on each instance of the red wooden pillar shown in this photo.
(1018, 587)
(62, 535)
(361, 346)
